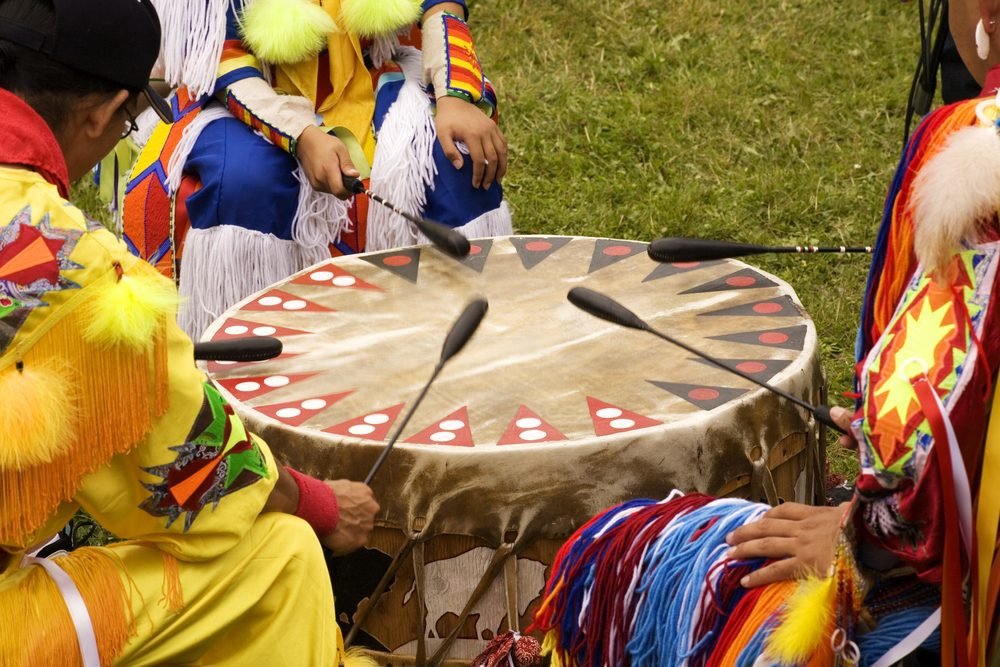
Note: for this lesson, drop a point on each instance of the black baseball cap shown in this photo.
(117, 40)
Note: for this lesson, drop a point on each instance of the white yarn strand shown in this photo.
(191, 47)
(320, 217)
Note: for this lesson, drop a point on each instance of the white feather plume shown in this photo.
(954, 193)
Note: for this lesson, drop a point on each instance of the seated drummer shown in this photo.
(947, 202)
(105, 410)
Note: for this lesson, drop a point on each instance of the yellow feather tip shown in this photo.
(36, 424)
(357, 657)
(285, 32)
(370, 19)
(128, 311)
(804, 623)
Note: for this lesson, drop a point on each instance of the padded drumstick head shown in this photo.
(679, 249)
(257, 348)
(462, 330)
(444, 237)
(604, 307)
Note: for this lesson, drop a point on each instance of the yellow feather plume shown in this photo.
(369, 18)
(357, 657)
(285, 32)
(804, 625)
(36, 422)
(127, 311)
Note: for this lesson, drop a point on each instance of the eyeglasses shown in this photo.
(131, 124)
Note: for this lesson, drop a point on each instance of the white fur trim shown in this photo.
(224, 265)
(191, 46)
(320, 218)
(954, 193)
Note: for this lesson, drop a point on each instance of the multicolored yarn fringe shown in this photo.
(648, 583)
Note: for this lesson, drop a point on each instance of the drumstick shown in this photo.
(460, 333)
(442, 236)
(258, 348)
(680, 249)
(606, 308)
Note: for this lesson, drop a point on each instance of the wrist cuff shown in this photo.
(451, 65)
(317, 503)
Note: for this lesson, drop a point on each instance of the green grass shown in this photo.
(761, 122)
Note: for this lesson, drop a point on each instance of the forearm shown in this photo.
(285, 494)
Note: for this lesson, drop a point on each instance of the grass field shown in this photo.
(775, 122)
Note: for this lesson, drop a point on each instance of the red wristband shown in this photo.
(317, 503)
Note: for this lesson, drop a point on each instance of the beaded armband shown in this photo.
(451, 65)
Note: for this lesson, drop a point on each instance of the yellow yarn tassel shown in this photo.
(804, 626)
(285, 32)
(357, 657)
(370, 18)
(128, 309)
(173, 591)
(36, 426)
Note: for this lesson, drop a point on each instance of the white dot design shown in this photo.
(321, 276)
(236, 330)
(288, 413)
(361, 429)
(244, 387)
(609, 413)
(313, 404)
(451, 425)
(269, 301)
(345, 281)
(622, 424)
(533, 435)
(443, 436)
(276, 381)
(377, 418)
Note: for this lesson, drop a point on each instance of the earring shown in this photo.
(982, 41)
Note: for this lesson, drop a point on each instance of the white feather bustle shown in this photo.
(956, 192)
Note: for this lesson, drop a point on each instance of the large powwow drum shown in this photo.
(547, 417)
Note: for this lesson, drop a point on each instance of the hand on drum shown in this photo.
(458, 120)
(324, 159)
(801, 539)
(843, 418)
(358, 508)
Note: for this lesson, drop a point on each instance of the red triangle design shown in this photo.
(610, 419)
(331, 275)
(245, 389)
(372, 426)
(296, 413)
(528, 428)
(234, 328)
(452, 430)
(277, 301)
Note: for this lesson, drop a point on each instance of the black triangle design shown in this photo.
(759, 369)
(668, 269)
(702, 396)
(787, 338)
(610, 251)
(781, 306)
(404, 263)
(533, 250)
(742, 279)
(476, 259)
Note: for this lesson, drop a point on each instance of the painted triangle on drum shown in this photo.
(298, 412)
(527, 428)
(235, 328)
(787, 338)
(224, 366)
(668, 269)
(453, 430)
(479, 251)
(702, 396)
(247, 388)
(742, 279)
(403, 263)
(533, 250)
(781, 306)
(331, 275)
(609, 251)
(609, 419)
(372, 426)
(277, 301)
(759, 369)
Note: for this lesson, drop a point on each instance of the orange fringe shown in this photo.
(173, 591)
(35, 625)
(119, 393)
(768, 604)
(898, 270)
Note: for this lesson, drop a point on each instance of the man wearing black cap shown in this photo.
(103, 408)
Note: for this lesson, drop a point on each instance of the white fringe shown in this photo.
(320, 217)
(191, 46)
(175, 168)
(498, 222)
(404, 167)
(222, 266)
(147, 122)
(956, 191)
(383, 48)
